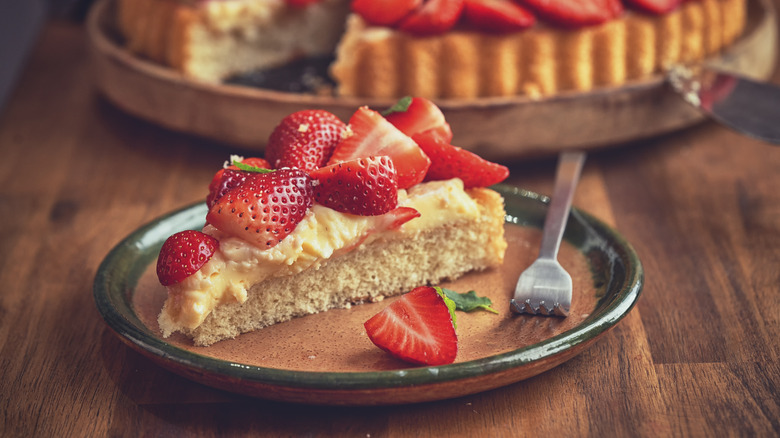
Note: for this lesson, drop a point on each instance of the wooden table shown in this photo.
(697, 356)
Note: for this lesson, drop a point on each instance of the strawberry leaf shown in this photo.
(400, 107)
(451, 306)
(469, 301)
(248, 168)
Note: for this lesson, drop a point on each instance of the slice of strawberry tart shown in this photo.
(336, 214)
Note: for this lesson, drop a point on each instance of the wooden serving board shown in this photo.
(497, 128)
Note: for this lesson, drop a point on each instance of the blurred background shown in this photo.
(20, 21)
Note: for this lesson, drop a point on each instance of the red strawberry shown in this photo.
(230, 177)
(417, 328)
(183, 254)
(655, 6)
(448, 161)
(364, 186)
(576, 13)
(393, 219)
(418, 115)
(498, 16)
(384, 12)
(372, 135)
(265, 208)
(434, 17)
(304, 139)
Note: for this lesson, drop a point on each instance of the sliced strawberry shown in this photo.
(183, 254)
(499, 16)
(265, 208)
(418, 328)
(370, 134)
(448, 161)
(363, 186)
(576, 13)
(657, 7)
(384, 12)
(434, 17)
(393, 219)
(304, 139)
(414, 115)
(230, 177)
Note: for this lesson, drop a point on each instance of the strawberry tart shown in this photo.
(335, 214)
(435, 48)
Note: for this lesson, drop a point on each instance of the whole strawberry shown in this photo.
(183, 254)
(304, 139)
(231, 176)
(265, 208)
(418, 327)
(365, 186)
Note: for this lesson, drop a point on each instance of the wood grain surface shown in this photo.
(698, 356)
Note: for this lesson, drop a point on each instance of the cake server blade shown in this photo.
(745, 105)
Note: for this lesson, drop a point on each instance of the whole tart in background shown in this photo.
(212, 40)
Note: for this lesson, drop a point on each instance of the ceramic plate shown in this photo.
(496, 128)
(327, 358)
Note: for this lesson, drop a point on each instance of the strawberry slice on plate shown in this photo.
(448, 161)
(369, 134)
(364, 186)
(265, 208)
(576, 13)
(384, 12)
(415, 115)
(418, 327)
(183, 254)
(658, 7)
(433, 17)
(304, 139)
(498, 16)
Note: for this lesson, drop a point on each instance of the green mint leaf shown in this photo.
(248, 168)
(469, 301)
(401, 106)
(451, 306)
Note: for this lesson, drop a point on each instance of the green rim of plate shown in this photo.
(616, 269)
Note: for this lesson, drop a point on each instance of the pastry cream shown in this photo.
(323, 233)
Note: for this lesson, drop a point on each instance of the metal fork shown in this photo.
(545, 287)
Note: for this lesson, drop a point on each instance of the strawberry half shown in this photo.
(265, 208)
(183, 254)
(229, 177)
(304, 139)
(448, 161)
(418, 328)
(658, 7)
(576, 13)
(415, 115)
(364, 186)
(384, 12)
(434, 17)
(498, 16)
(369, 134)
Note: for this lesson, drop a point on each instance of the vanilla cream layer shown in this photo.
(324, 233)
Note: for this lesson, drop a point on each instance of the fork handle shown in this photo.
(566, 177)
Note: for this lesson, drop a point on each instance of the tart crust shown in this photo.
(540, 61)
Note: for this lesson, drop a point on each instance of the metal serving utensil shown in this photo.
(545, 288)
(745, 105)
